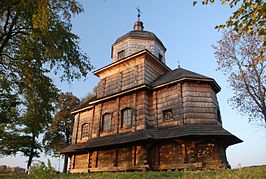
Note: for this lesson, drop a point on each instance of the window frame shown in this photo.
(165, 112)
(86, 132)
(160, 57)
(121, 54)
(103, 129)
(219, 117)
(123, 117)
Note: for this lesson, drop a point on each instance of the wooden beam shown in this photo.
(118, 114)
(197, 165)
(135, 155)
(96, 164)
(89, 159)
(115, 161)
(119, 169)
(158, 154)
(92, 122)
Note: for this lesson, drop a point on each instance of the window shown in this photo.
(160, 57)
(121, 54)
(219, 116)
(126, 117)
(85, 130)
(167, 114)
(107, 122)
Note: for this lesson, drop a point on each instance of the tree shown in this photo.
(38, 95)
(90, 96)
(242, 59)
(248, 19)
(35, 40)
(59, 134)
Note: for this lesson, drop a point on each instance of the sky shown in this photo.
(188, 33)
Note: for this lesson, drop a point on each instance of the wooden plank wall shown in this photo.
(164, 99)
(75, 129)
(129, 77)
(173, 154)
(85, 117)
(139, 103)
(105, 158)
(132, 46)
(126, 157)
(81, 161)
(200, 104)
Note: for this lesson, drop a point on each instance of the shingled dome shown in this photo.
(140, 34)
(137, 40)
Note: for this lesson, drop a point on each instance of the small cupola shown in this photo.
(138, 25)
(136, 41)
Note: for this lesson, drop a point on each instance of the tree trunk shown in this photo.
(65, 164)
(264, 115)
(31, 152)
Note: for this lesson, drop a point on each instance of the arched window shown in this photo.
(85, 130)
(126, 117)
(106, 122)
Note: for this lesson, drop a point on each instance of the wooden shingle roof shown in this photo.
(182, 74)
(211, 131)
(140, 34)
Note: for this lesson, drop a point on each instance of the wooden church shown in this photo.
(146, 116)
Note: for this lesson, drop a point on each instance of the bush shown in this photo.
(43, 171)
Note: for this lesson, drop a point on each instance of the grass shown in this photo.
(248, 172)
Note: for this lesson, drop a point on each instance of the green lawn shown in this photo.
(249, 172)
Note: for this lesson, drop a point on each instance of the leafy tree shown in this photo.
(90, 96)
(35, 40)
(240, 57)
(59, 134)
(249, 18)
(37, 96)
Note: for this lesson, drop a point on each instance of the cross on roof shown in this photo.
(139, 12)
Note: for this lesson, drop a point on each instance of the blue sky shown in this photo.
(188, 33)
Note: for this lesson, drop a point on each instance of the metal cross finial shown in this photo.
(139, 12)
(178, 62)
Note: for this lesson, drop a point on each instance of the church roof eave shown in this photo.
(145, 51)
(181, 74)
(185, 131)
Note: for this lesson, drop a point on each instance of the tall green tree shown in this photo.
(35, 40)
(59, 134)
(242, 60)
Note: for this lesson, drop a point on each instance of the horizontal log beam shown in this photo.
(197, 165)
(119, 169)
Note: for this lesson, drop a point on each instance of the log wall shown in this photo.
(164, 155)
(80, 161)
(112, 159)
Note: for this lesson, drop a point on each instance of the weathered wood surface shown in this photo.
(190, 166)
(134, 45)
(188, 106)
(79, 171)
(119, 169)
(165, 155)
